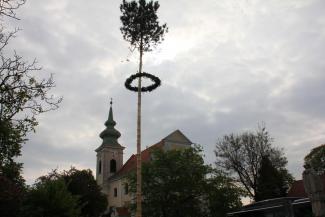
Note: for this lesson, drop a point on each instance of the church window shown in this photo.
(115, 192)
(113, 166)
(126, 188)
(99, 167)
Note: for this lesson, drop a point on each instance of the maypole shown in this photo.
(140, 27)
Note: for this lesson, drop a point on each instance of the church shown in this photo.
(111, 172)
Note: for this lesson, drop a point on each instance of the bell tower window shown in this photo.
(113, 166)
(115, 192)
(99, 167)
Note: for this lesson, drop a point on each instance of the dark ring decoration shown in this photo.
(156, 82)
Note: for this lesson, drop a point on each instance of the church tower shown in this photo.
(109, 153)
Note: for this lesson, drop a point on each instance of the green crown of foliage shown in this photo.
(140, 25)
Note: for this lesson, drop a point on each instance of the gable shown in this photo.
(177, 137)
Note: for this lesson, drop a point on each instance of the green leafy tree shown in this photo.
(50, 198)
(11, 181)
(140, 25)
(241, 155)
(316, 159)
(222, 195)
(10, 146)
(175, 183)
(10, 197)
(82, 184)
(271, 182)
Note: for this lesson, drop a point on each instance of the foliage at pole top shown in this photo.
(140, 25)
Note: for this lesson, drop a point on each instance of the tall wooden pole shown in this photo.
(138, 194)
(141, 28)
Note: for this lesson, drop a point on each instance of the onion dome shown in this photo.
(110, 134)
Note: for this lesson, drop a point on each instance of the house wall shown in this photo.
(174, 146)
(121, 199)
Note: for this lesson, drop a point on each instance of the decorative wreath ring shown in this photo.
(156, 82)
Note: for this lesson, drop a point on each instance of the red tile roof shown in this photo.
(131, 163)
(298, 190)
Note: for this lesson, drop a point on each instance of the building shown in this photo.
(298, 190)
(296, 204)
(111, 172)
(276, 207)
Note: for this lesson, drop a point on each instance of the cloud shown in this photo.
(225, 66)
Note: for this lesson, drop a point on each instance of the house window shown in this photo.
(113, 166)
(99, 167)
(115, 192)
(126, 188)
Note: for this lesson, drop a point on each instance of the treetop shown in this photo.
(140, 25)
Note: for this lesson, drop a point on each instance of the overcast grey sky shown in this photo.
(225, 66)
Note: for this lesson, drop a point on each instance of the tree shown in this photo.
(316, 159)
(23, 95)
(8, 7)
(10, 197)
(271, 182)
(241, 155)
(222, 195)
(10, 146)
(175, 183)
(82, 184)
(140, 27)
(50, 198)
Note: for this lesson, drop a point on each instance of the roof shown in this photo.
(110, 135)
(132, 161)
(175, 137)
(270, 202)
(272, 205)
(298, 190)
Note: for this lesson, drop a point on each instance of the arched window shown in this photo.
(113, 166)
(99, 167)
